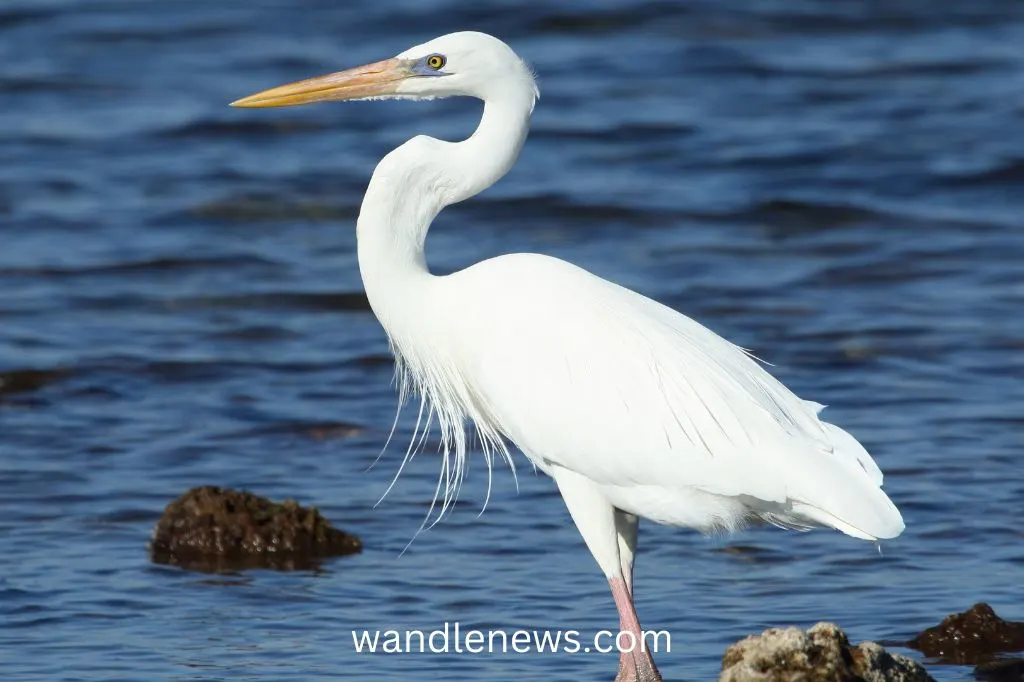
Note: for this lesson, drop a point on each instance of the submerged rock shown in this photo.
(821, 654)
(971, 637)
(1011, 670)
(27, 380)
(218, 529)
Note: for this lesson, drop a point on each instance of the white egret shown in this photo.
(632, 408)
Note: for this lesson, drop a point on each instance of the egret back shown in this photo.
(586, 375)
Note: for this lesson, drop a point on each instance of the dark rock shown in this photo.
(1006, 670)
(971, 637)
(217, 529)
(821, 654)
(25, 380)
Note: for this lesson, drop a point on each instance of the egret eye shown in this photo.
(436, 61)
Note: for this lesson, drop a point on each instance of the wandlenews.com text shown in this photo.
(457, 639)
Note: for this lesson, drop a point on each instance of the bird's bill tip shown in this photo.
(372, 80)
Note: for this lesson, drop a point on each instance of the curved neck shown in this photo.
(413, 183)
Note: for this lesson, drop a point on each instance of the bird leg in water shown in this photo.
(636, 665)
(610, 534)
(626, 527)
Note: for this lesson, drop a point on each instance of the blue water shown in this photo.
(838, 186)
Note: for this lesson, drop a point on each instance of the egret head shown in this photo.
(465, 63)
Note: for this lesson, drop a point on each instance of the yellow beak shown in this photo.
(373, 80)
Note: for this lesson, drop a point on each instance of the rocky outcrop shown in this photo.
(218, 529)
(971, 637)
(820, 654)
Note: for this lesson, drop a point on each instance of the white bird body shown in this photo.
(669, 420)
(634, 409)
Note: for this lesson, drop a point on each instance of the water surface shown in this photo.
(837, 186)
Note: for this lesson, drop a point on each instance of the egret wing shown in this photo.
(586, 375)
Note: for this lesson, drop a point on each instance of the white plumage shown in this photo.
(669, 420)
(634, 409)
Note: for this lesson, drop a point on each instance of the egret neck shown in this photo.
(413, 183)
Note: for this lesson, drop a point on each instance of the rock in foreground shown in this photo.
(821, 654)
(971, 637)
(218, 529)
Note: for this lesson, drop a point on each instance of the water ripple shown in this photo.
(833, 185)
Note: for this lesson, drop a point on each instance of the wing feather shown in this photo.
(586, 375)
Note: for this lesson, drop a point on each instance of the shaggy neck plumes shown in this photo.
(409, 188)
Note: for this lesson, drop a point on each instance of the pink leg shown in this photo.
(625, 658)
(637, 665)
(626, 526)
(610, 535)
